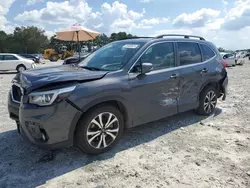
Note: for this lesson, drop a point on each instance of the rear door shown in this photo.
(192, 71)
(10, 62)
(154, 94)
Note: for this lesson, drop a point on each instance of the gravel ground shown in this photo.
(182, 151)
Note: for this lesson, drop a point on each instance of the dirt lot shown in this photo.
(182, 151)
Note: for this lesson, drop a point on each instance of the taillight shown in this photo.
(224, 63)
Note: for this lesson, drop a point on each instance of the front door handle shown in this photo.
(205, 70)
(174, 76)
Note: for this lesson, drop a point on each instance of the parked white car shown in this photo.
(240, 57)
(15, 62)
(230, 58)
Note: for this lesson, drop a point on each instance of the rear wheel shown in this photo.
(20, 68)
(100, 129)
(208, 101)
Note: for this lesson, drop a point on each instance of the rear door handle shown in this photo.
(205, 70)
(174, 76)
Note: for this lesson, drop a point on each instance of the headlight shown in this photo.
(46, 98)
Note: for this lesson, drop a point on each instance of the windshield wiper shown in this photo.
(93, 68)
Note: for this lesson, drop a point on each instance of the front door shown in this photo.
(154, 94)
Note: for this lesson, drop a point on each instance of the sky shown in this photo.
(226, 23)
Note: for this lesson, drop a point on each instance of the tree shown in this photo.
(122, 36)
(113, 37)
(3, 38)
(27, 40)
(101, 40)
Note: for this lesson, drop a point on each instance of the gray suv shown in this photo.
(123, 84)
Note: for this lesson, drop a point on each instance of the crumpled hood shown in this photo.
(36, 78)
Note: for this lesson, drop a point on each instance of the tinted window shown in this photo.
(160, 55)
(207, 52)
(9, 57)
(1, 57)
(189, 53)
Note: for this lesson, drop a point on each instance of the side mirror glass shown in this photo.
(146, 67)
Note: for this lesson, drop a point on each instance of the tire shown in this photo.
(54, 57)
(94, 143)
(20, 68)
(205, 94)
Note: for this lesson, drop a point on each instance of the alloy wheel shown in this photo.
(210, 102)
(102, 130)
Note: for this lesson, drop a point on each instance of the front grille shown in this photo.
(16, 93)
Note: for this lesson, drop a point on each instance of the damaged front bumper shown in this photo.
(48, 127)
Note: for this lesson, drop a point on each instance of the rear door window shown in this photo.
(207, 52)
(189, 53)
(1, 57)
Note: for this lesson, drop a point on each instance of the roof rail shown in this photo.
(135, 37)
(179, 35)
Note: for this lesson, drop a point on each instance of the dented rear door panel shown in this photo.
(192, 78)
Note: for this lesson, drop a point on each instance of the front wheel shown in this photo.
(208, 101)
(99, 130)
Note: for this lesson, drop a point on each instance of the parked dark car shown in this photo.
(35, 58)
(121, 85)
(74, 59)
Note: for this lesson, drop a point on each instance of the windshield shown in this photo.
(113, 56)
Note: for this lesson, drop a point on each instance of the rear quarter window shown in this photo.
(208, 53)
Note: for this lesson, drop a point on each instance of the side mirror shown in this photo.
(146, 67)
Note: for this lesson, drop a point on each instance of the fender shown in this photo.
(94, 103)
(216, 81)
(209, 82)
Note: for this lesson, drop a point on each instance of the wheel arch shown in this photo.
(214, 83)
(21, 64)
(114, 101)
